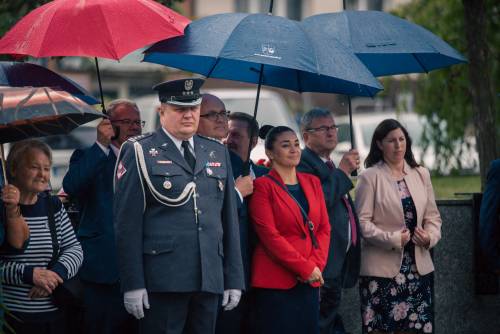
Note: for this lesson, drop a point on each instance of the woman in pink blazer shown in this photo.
(399, 222)
(291, 251)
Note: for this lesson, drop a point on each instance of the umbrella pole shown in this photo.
(246, 164)
(354, 172)
(4, 171)
(100, 85)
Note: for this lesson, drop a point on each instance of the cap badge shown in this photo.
(188, 84)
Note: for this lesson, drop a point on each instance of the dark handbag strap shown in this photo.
(52, 228)
(309, 224)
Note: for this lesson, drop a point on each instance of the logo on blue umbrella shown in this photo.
(268, 51)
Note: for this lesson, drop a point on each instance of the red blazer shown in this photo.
(284, 250)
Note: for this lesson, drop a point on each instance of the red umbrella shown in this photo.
(93, 28)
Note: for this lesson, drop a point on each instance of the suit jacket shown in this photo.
(284, 250)
(248, 238)
(489, 222)
(187, 248)
(336, 184)
(381, 218)
(90, 180)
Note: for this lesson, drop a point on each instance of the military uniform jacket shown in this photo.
(170, 236)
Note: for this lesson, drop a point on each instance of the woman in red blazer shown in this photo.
(292, 247)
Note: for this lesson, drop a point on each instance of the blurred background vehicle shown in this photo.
(364, 125)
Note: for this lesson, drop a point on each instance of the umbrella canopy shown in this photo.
(16, 74)
(36, 112)
(386, 44)
(234, 46)
(93, 28)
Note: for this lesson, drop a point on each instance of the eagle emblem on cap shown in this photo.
(188, 84)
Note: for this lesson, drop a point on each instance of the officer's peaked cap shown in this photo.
(182, 92)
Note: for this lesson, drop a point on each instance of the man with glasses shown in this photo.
(176, 221)
(90, 181)
(320, 136)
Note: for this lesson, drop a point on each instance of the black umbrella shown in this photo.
(17, 74)
(37, 112)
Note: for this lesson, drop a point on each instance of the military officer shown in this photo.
(176, 221)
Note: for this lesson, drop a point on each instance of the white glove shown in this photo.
(134, 300)
(230, 299)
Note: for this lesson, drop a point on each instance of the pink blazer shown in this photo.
(380, 212)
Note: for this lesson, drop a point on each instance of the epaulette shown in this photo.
(211, 139)
(140, 137)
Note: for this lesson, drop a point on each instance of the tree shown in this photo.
(455, 98)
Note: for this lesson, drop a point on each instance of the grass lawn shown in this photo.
(447, 186)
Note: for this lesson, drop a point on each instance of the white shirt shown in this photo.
(115, 149)
(178, 142)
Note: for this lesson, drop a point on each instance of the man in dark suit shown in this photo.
(176, 221)
(214, 124)
(320, 136)
(489, 222)
(90, 181)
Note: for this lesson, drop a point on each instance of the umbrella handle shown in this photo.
(4, 171)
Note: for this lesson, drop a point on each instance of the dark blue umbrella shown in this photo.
(386, 44)
(235, 46)
(15, 74)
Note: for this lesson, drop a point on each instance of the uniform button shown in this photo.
(393, 248)
(153, 252)
(200, 229)
(194, 178)
(199, 212)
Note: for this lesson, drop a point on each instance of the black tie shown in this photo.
(188, 155)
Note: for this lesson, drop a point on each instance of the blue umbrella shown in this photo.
(15, 74)
(235, 46)
(386, 44)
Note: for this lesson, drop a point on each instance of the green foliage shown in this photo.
(443, 95)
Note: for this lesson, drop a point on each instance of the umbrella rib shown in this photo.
(52, 104)
(420, 63)
(109, 33)
(213, 67)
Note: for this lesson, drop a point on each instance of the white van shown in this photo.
(364, 125)
(272, 110)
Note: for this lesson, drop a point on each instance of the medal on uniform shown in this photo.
(209, 171)
(221, 186)
(153, 152)
(167, 184)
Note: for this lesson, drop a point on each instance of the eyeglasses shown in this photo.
(323, 129)
(129, 122)
(214, 115)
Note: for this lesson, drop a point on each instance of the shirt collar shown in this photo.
(178, 142)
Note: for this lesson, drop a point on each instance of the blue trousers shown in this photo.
(104, 312)
(292, 311)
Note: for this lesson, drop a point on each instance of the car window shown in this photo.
(81, 137)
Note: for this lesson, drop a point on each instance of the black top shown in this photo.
(298, 194)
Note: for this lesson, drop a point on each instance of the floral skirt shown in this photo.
(402, 303)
